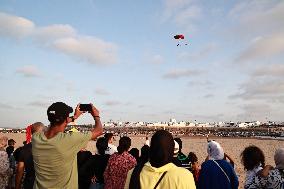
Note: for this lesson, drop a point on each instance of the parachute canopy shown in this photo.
(179, 36)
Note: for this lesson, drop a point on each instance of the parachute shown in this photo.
(179, 38)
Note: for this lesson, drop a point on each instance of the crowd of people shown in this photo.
(58, 159)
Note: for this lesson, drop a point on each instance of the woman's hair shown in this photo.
(161, 153)
(279, 158)
(144, 154)
(102, 145)
(252, 157)
(124, 144)
(192, 157)
(135, 153)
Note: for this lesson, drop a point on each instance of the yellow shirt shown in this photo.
(175, 178)
(55, 159)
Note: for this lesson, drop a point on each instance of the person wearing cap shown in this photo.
(55, 152)
(181, 157)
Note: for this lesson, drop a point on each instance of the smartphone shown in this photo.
(85, 107)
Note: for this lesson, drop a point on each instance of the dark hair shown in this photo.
(251, 157)
(124, 144)
(101, 145)
(161, 153)
(135, 153)
(179, 141)
(192, 157)
(144, 154)
(57, 121)
(108, 136)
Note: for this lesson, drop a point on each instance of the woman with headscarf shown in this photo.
(217, 172)
(159, 172)
(5, 171)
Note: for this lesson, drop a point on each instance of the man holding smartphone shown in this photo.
(55, 152)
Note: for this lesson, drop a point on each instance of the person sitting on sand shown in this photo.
(118, 165)
(55, 152)
(111, 148)
(217, 172)
(25, 162)
(160, 172)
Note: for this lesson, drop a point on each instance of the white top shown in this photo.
(111, 149)
(147, 142)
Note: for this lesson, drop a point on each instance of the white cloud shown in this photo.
(15, 27)
(274, 70)
(175, 74)
(112, 103)
(265, 47)
(101, 91)
(199, 55)
(28, 71)
(40, 104)
(59, 37)
(157, 59)
(183, 13)
(208, 96)
(4, 106)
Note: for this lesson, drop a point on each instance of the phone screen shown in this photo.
(85, 107)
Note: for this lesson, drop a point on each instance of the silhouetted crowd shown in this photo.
(58, 159)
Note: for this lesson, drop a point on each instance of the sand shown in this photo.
(232, 146)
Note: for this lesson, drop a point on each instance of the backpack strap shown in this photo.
(222, 170)
(160, 179)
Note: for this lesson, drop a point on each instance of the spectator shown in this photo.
(159, 172)
(144, 154)
(275, 178)
(181, 157)
(253, 160)
(195, 166)
(5, 171)
(11, 146)
(25, 162)
(118, 165)
(84, 175)
(111, 148)
(217, 172)
(135, 153)
(98, 164)
(55, 152)
(147, 142)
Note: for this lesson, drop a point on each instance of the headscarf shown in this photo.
(215, 151)
(279, 158)
(3, 142)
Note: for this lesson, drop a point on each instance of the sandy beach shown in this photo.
(232, 146)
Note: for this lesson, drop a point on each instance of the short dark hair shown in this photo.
(135, 153)
(108, 136)
(124, 144)
(101, 145)
(192, 157)
(251, 157)
(179, 141)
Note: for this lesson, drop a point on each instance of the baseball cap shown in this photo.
(58, 111)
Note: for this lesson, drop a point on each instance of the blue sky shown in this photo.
(121, 56)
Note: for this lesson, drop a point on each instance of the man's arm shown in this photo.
(98, 129)
(19, 174)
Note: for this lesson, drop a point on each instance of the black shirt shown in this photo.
(26, 157)
(99, 163)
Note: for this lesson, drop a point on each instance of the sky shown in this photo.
(122, 57)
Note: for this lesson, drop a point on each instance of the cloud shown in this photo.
(60, 37)
(258, 16)
(101, 91)
(208, 96)
(29, 71)
(40, 104)
(254, 112)
(274, 70)
(265, 47)
(200, 84)
(157, 59)
(183, 13)
(112, 103)
(201, 54)
(15, 27)
(4, 106)
(175, 74)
